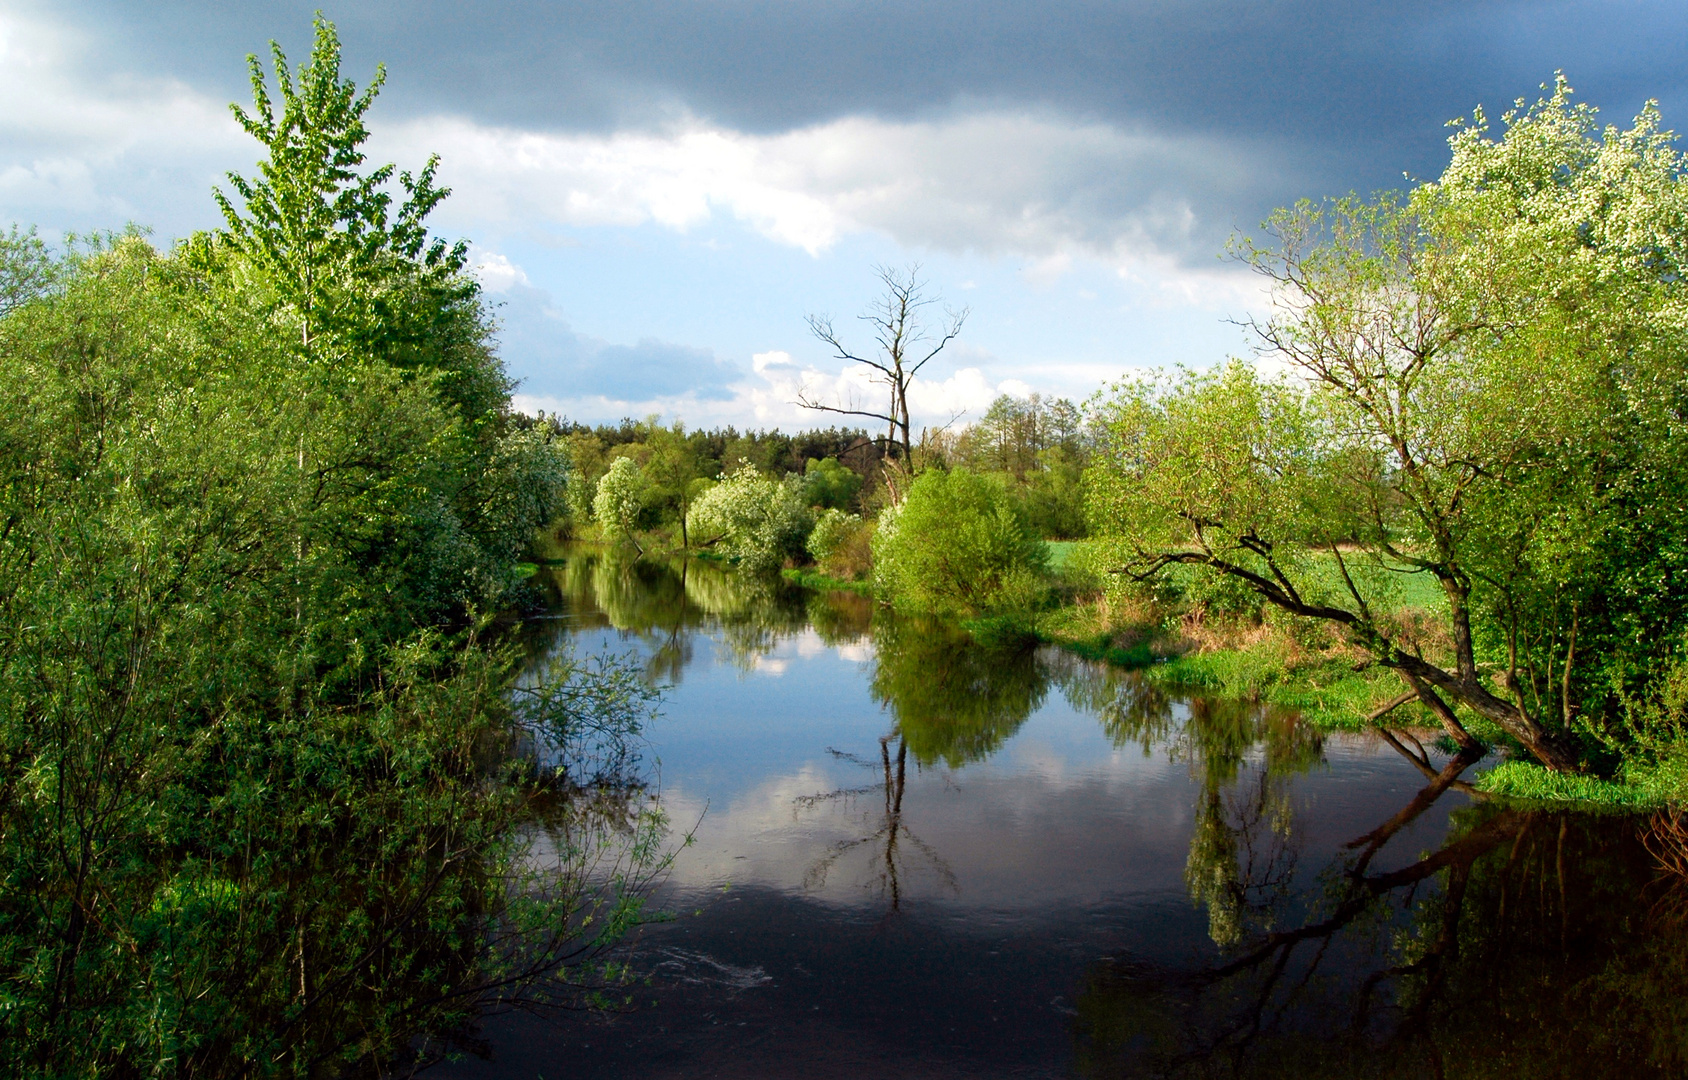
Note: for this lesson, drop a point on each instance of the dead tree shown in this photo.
(905, 347)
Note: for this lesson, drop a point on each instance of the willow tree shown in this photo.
(1480, 383)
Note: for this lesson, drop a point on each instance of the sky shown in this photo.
(659, 195)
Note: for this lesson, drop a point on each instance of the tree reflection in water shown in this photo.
(887, 847)
(1532, 943)
(951, 703)
(663, 603)
(1528, 943)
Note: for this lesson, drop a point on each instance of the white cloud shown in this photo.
(112, 147)
(81, 147)
(1041, 186)
(1035, 185)
(497, 273)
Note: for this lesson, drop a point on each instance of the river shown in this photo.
(913, 857)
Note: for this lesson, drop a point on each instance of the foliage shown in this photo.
(680, 465)
(1481, 389)
(833, 529)
(620, 498)
(323, 240)
(1039, 447)
(751, 518)
(271, 805)
(829, 484)
(956, 544)
(27, 269)
(1014, 432)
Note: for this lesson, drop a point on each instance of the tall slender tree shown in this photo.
(318, 228)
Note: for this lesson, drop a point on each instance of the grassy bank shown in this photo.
(1274, 661)
(811, 578)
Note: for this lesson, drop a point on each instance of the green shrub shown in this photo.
(833, 529)
(830, 484)
(620, 498)
(957, 544)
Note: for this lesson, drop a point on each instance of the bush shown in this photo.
(840, 544)
(833, 529)
(957, 544)
(829, 483)
(753, 519)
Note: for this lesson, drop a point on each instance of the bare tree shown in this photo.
(905, 347)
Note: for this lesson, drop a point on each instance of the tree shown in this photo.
(27, 269)
(752, 518)
(827, 482)
(276, 831)
(905, 347)
(364, 279)
(619, 500)
(1481, 385)
(675, 465)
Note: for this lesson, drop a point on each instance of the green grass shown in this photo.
(1059, 552)
(1411, 592)
(1331, 694)
(810, 578)
(1528, 782)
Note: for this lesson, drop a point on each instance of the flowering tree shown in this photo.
(751, 518)
(619, 500)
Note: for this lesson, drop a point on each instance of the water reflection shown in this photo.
(953, 702)
(893, 852)
(664, 603)
(1530, 943)
(1272, 901)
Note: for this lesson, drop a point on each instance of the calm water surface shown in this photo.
(917, 858)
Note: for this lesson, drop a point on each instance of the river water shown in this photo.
(913, 857)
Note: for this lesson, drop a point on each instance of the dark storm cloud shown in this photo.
(1356, 91)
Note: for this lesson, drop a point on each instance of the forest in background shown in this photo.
(275, 800)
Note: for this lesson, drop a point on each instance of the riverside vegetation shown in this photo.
(1459, 505)
(276, 796)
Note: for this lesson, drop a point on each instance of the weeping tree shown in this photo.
(1480, 382)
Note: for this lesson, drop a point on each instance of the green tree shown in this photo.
(620, 499)
(1480, 389)
(258, 820)
(676, 464)
(361, 277)
(27, 269)
(753, 518)
(830, 484)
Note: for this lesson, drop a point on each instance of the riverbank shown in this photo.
(1273, 661)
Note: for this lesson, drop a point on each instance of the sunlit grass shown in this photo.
(1527, 781)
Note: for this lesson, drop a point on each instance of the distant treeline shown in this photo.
(1038, 446)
